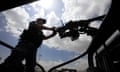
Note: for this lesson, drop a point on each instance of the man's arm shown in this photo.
(47, 37)
(48, 28)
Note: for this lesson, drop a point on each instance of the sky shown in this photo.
(55, 50)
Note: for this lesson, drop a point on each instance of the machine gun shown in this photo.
(73, 29)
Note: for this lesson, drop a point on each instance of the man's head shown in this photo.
(41, 21)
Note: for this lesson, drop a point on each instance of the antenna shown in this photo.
(61, 21)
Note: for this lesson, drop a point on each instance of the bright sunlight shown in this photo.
(47, 4)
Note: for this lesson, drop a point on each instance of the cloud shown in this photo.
(82, 9)
(80, 65)
(49, 64)
(16, 20)
(52, 19)
(1, 30)
(79, 45)
(77, 10)
(39, 11)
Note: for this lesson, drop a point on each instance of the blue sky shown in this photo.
(54, 50)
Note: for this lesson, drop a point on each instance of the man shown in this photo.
(27, 46)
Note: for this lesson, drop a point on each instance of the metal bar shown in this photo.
(11, 48)
(6, 45)
(67, 62)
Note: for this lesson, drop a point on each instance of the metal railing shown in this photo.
(11, 48)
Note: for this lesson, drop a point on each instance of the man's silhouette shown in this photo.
(27, 46)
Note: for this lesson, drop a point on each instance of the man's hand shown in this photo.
(53, 33)
(53, 28)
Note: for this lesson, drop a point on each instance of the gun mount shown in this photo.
(73, 29)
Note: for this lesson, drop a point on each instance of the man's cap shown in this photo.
(41, 19)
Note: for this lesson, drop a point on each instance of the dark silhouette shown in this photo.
(73, 29)
(27, 46)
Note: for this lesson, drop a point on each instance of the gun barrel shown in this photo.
(96, 18)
